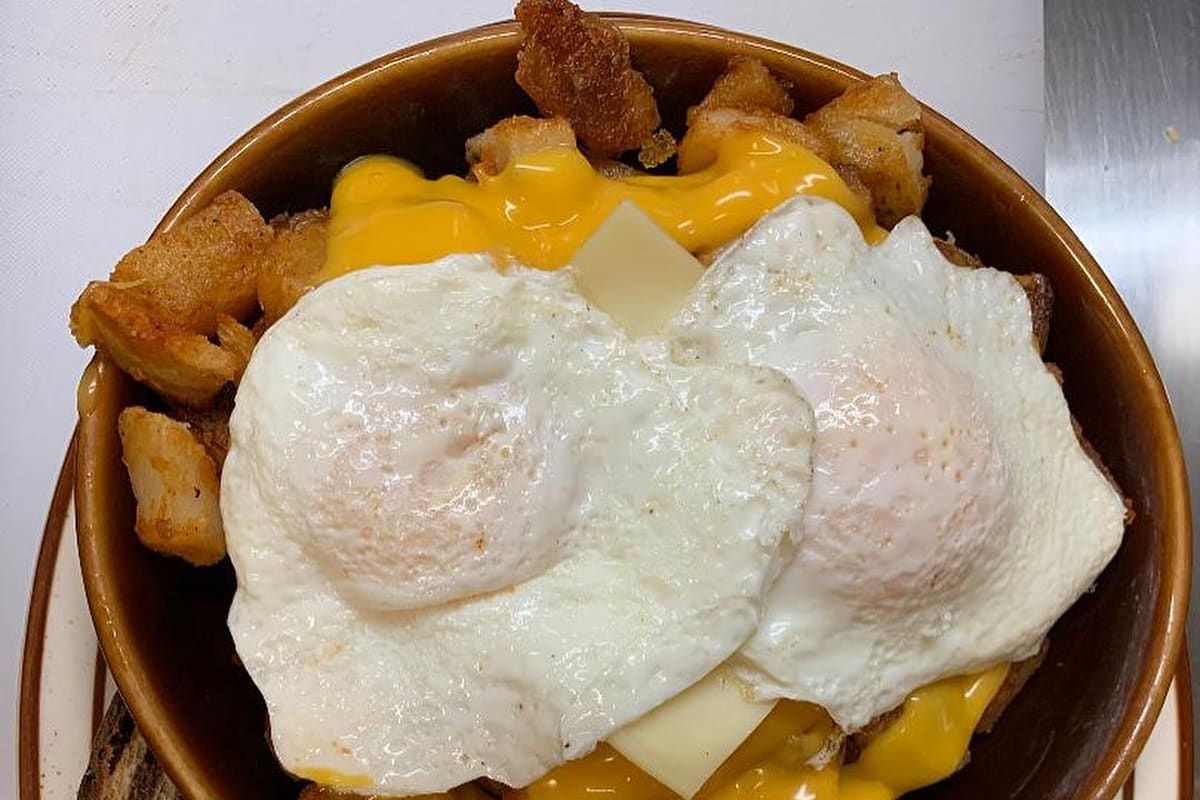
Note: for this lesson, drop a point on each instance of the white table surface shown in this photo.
(107, 110)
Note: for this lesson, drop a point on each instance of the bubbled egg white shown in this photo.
(954, 515)
(476, 528)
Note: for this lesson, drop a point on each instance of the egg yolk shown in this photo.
(543, 206)
(924, 744)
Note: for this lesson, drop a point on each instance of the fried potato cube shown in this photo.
(289, 264)
(576, 65)
(710, 126)
(237, 340)
(210, 425)
(657, 149)
(204, 267)
(746, 85)
(179, 364)
(176, 486)
(489, 152)
(874, 130)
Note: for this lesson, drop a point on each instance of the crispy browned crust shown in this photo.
(857, 741)
(287, 267)
(875, 132)
(1037, 289)
(1041, 304)
(710, 126)
(956, 255)
(176, 485)
(1019, 673)
(746, 85)
(179, 364)
(577, 65)
(205, 266)
(489, 152)
(237, 340)
(210, 425)
(657, 149)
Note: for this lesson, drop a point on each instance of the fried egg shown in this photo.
(476, 527)
(954, 515)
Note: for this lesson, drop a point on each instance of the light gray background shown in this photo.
(107, 110)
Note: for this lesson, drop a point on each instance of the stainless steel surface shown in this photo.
(1123, 168)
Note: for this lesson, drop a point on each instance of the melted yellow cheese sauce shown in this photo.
(543, 206)
(923, 745)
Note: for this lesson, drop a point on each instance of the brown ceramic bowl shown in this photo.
(1073, 732)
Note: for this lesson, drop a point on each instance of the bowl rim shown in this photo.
(1171, 604)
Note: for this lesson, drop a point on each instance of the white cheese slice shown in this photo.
(632, 270)
(683, 742)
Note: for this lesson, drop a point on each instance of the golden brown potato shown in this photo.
(237, 340)
(746, 85)
(179, 364)
(287, 267)
(875, 133)
(489, 152)
(204, 267)
(658, 149)
(176, 486)
(576, 65)
(210, 425)
(710, 126)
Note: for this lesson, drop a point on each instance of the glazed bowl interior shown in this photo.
(1076, 728)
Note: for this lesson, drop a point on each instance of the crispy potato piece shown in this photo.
(857, 741)
(176, 486)
(955, 254)
(874, 131)
(210, 425)
(179, 364)
(746, 85)
(1041, 304)
(488, 153)
(287, 267)
(576, 65)
(467, 791)
(710, 126)
(204, 267)
(658, 149)
(237, 340)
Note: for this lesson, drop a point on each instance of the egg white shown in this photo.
(954, 515)
(476, 528)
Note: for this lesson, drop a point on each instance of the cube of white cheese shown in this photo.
(632, 270)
